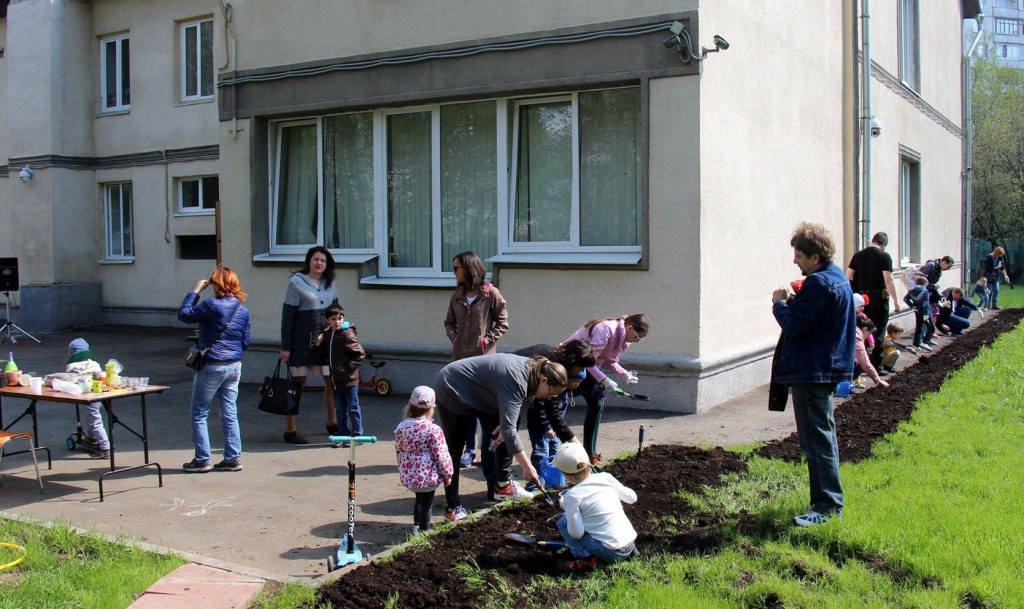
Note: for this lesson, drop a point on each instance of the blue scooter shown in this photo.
(348, 553)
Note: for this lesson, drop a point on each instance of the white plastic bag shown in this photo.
(66, 387)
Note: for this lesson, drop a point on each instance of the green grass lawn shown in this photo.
(64, 569)
(931, 521)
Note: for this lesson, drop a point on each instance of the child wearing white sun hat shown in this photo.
(594, 525)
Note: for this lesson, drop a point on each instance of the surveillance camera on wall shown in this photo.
(876, 128)
(25, 174)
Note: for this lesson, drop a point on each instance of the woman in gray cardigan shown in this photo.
(309, 293)
(493, 388)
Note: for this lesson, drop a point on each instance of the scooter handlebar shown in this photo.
(352, 439)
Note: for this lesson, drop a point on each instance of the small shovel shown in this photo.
(532, 541)
(548, 497)
(633, 396)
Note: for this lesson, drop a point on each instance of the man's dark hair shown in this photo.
(881, 239)
(948, 260)
(813, 239)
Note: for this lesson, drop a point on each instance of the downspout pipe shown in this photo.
(968, 105)
(864, 229)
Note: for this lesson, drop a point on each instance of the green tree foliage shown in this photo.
(998, 168)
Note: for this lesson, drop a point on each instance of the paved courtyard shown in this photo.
(285, 512)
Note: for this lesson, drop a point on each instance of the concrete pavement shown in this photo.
(285, 512)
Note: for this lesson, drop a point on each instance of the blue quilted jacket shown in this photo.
(212, 314)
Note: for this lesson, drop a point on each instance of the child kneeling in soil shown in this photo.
(423, 459)
(594, 525)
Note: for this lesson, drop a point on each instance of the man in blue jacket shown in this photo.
(819, 334)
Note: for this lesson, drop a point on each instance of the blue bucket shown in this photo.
(844, 389)
(552, 475)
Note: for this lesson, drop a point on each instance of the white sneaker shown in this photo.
(513, 491)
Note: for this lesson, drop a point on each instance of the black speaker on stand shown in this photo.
(9, 283)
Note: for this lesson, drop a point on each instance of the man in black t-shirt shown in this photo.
(870, 273)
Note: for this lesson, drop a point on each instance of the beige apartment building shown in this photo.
(583, 149)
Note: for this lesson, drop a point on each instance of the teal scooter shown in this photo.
(348, 553)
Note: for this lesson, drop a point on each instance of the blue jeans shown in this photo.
(924, 329)
(542, 446)
(220, 382)
(816, 430)
(587, 546)
(993, 288)
(350, 417)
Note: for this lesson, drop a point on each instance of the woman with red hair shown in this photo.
(224, 332)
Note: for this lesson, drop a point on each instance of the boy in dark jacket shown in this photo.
(339, 348)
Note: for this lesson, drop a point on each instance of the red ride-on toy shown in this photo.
(380, 386)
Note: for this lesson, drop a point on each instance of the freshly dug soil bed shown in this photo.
(424, 578)
(864, 418)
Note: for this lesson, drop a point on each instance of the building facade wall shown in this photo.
(733, 154)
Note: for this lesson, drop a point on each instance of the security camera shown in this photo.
(876, 127)
(25, 174)
(721, 43)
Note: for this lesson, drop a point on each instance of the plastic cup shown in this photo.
(143, 382)
(96, 386)
(37, 384)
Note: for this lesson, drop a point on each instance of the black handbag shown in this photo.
(280, 395)
(196, 357)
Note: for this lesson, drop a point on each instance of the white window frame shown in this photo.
(185, 97)
(107, 226)
(909, 40)
(1008, 51)
(506, 159)
(1007, 27)
(506, 239)
(909, 198)
(200, 210)
(119, 85)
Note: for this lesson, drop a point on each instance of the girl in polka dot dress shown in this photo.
(423, 459)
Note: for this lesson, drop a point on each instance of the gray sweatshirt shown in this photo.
(487, 384)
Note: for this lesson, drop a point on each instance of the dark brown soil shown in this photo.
(424, 578)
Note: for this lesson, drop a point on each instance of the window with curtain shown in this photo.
(556, 174)
(469, 181)
(119, 230)
(348, 181)
(297, 218)
(577, 179)
(197, 60)
(409, 186)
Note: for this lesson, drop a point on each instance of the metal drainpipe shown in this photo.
(854, 47)
(968, 104)
(865, 123)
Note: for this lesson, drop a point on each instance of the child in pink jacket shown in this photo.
(860, 353)
(610, 337)
(423, 459)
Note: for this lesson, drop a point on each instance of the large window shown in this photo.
(539, 176)
(197, 60)
(910, 210)
(198, 195)
(115, 74)
(577, 171)
(1008, 26)
(1008, 51)
(118, 210)
(910, 44)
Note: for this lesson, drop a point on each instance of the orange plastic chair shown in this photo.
(7, 436)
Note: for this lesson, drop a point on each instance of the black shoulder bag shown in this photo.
(196, 357)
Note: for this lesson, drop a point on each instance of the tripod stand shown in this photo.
(10, 330)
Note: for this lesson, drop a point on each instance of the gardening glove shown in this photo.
(610, 385)
(982, 313)
(634, 378)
